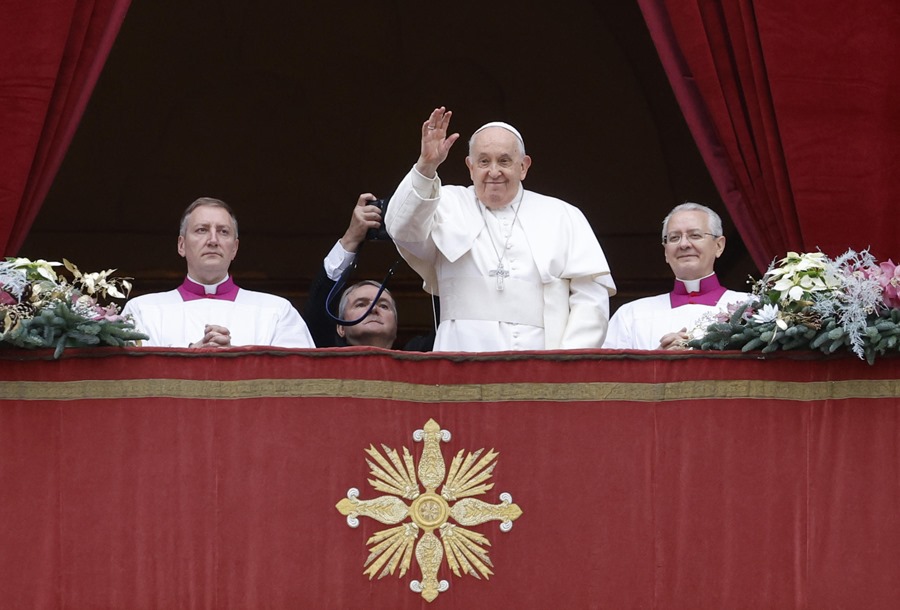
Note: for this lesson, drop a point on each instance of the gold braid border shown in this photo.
(410, 392)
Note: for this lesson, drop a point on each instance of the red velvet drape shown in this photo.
(51, 54)
(794, 108)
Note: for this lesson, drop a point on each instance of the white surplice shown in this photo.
(642, 323)
(253, 318)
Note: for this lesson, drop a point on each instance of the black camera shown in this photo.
(379, 234)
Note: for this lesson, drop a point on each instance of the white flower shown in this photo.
(40, 266)
(768, 313)
(796, 293)
(801, 275)
(12, 280)
(698, 330)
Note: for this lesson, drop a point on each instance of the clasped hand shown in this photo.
(678, 340)
(214, 336)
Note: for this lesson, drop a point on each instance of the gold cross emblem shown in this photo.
(429, 511)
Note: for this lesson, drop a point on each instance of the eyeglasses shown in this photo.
(694, 236)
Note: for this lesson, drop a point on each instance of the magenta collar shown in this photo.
(191, 291)
(709, 294)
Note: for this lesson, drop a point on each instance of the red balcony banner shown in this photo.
(153, 478)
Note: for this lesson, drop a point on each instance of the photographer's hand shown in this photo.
(364, 217)
(435, 142)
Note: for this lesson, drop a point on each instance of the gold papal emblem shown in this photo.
(426, 512)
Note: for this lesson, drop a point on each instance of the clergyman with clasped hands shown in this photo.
(692, 241)
(515, 270)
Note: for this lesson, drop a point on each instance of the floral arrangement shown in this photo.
(41, 308)
(810, 301)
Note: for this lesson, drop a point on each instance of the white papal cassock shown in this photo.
(177, 318)
(555, 279)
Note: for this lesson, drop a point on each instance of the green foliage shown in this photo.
(40, 308)
(60, 327)
(881, 335)
(809, 301)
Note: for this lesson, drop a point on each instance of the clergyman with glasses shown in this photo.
(692, 241)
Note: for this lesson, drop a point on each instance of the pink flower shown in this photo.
(109, 313)
(890, 282)
(6, 298)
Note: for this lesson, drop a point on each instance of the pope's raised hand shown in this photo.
(435, 142)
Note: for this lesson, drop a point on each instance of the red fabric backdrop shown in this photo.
(151, 479)
(51, 54)
(794, 108)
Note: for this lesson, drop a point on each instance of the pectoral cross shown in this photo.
(500, 273)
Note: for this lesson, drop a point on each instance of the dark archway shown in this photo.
(288, 113)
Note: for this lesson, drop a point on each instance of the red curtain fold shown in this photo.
(51, 54)
(795, 113)
(833, 70)
(712, 55)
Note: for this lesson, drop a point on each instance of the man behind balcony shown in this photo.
(692, 241)
(379, 328)
(208, 310)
